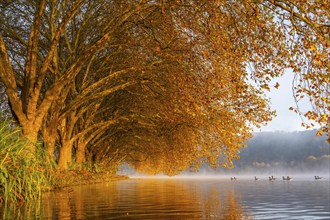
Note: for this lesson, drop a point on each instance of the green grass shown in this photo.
(22, 178)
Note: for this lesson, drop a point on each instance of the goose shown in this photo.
(287, 178)
(255, 178)
(272, 178)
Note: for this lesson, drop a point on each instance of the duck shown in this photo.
(318, 177)
(287, 178)
(272, 178)
(233, 178)
(255, 178)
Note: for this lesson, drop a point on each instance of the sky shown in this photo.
(282, 99)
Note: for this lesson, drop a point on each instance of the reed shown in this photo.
(22, 177)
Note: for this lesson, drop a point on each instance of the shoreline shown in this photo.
(76, 178)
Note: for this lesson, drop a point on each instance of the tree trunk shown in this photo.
(49, 141)
(80, 155)
(66, 131)
(65, 158)
(31, 134)
(49, 136)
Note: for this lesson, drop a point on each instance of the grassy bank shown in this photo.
(21, 177)
(24, 178)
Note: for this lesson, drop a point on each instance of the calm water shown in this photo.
(184, 199)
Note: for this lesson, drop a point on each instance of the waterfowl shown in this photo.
(318, 177)
(287, 178)
(255, 178)
(272, 178)
(233, 178)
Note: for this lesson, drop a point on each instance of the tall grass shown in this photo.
(22, 177)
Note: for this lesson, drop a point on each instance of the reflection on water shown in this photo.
(183, 199)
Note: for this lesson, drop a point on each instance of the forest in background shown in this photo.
(281, 152)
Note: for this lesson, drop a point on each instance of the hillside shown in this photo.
(275, 152)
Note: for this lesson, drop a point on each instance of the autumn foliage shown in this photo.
(161, 85)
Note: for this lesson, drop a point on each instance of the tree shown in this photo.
(172, 75)
(186, 111)
(34, 79)
(306, 26)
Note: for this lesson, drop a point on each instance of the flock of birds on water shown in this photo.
(272, 178)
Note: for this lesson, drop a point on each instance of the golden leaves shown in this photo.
(319, 133)
(312, 48)
(266, 87)
(189, 100)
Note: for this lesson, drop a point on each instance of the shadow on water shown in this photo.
(137, 199)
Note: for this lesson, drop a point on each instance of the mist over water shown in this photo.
(247, 176)
(300, 154)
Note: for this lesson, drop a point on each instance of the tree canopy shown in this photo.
(162, 85)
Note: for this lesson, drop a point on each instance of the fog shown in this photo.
(282, 154)
(300, 154)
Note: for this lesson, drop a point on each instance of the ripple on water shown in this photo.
(185, 199)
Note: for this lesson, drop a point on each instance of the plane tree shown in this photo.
(39, 57)
(243, 35)
(190, 110)
(174, 75)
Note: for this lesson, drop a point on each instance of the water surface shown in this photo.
(184, 199)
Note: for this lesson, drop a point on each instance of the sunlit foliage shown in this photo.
(162, 85)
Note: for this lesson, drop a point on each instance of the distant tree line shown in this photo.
(299, 151)
(278, 152)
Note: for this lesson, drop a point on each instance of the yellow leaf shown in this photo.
(312, 48)
(319, 133)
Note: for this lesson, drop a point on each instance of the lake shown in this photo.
(180, 198)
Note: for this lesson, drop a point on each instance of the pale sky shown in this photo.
(282, 99)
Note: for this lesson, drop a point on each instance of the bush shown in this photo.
(22, 177)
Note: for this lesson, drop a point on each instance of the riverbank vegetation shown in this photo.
(22, 177)
(160, 85)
